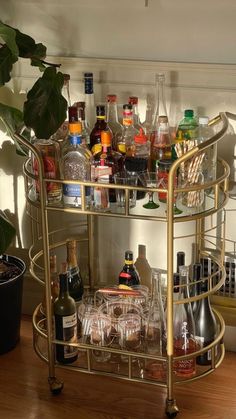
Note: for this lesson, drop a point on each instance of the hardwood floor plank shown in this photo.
(25, 394)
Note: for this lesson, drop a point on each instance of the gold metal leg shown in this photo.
(171, 408)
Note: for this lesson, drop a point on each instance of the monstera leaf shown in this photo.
(45, 108)
(7, 232)
(8, 35)
(7, 59)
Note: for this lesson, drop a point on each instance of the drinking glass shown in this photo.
(100, 335)
(194, 199)
(126, 179)
(129, 333)
(149, 180)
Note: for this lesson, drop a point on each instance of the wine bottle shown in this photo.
(143, 267)
(75, 282)
(65, 314)
(206, 326)
(129, 275)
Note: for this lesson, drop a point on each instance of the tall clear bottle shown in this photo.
(184, 329)
(75, 165)
(89, 100)
(75, 281)
(133, 100)
(161, 143)
(160, 107)
(112, 119)
(65, 315)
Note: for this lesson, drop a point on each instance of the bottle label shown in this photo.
(72, 194)
(97, 148)
(127, 121)
(125, 275)
(121, 148)
(69, 325)
(101, 173)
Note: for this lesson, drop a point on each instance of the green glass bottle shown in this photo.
(65, 323)
(187, 130)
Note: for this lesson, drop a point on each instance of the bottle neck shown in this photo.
(142, 252)
(66, 92)
(112, 113)
(156, 284)
(160, 98)
(129, 263)
(63, 280)
(71, 255)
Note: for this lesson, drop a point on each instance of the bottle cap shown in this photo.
(75, 128)
(142, 250)
(106, 138)
(88, 75)
(111, 98)
(141, 137)
(203, 120)
(100, 110)
(71, 243)
(66, 77)
(73, 113)
(163, 119)
(127, 106)
(133, 100)
(129, 255)
(188, 113)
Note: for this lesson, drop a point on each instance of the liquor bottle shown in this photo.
(62, 132)
(89, 100)
(75, 165)
(129, 275)
(105, 165)
(100, 125)
(75, 282)
(161, 143)
(85, 131)
(143, 267)
(137, 157)
(65, 314)
(187, 127)
(209, 164)
(50, 153)
(160, 107)
(54, 282)
(195, 288)
(184, 330)
(206, 326)
(125, 140)
(147, 124)
(133, 100)
(112, 119)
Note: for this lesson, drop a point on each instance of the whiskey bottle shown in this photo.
(75, 282)
(100, 125)
(65, 315)
(129, 275)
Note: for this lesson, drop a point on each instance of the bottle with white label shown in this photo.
(205, 326)
(75, 165)
(65, 315)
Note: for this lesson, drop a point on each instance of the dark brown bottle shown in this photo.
(100, 125)
(129, 275)
(65, 314)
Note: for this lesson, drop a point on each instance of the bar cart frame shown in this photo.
(220, 197)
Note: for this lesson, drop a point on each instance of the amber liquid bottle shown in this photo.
(75, 282)
(129, 275)
(100, 125)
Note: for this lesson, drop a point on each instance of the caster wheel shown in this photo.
(172, 415)
(171, 409)
(55, 385)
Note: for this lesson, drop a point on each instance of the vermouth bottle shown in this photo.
(129, 275)
(184, 330)
(75, 281)
(65, 314)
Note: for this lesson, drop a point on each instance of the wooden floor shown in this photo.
(24, 392)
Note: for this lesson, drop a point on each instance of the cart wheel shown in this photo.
(171, 408)
(55, 385)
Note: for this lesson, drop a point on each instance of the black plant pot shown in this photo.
(11, 292)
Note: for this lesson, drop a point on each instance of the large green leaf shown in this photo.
(7, 232)
(45, 108)
(8, 35)
(7, 59)
(13, 120)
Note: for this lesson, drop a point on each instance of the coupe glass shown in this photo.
(149, 180)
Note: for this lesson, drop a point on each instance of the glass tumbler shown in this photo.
(100, 335)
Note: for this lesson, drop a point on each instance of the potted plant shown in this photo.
(43, 112)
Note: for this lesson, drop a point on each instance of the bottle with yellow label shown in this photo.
(125, 141)
(100, 125)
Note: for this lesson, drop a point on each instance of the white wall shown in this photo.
(166, 30)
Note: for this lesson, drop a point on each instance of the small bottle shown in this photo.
(89, 100)
(112, 119)
(143, 267)
(184, 330)
(75, 281)
(129, 275)
(75, 165)
(65, 315)
(206, 326)
(161, 143)
(125, 141)
(105, 165)
(54, 282)
(133, 100)
(209, 164)
(100, 125)
(160, 107)
(187, 127)
(85, 131)
(50, 153)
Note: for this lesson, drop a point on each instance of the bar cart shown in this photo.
(207, 233)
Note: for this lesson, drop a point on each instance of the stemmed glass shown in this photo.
(149, 180)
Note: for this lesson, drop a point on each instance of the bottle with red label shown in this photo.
(50, 153)
(105, 165)
(129, 275)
